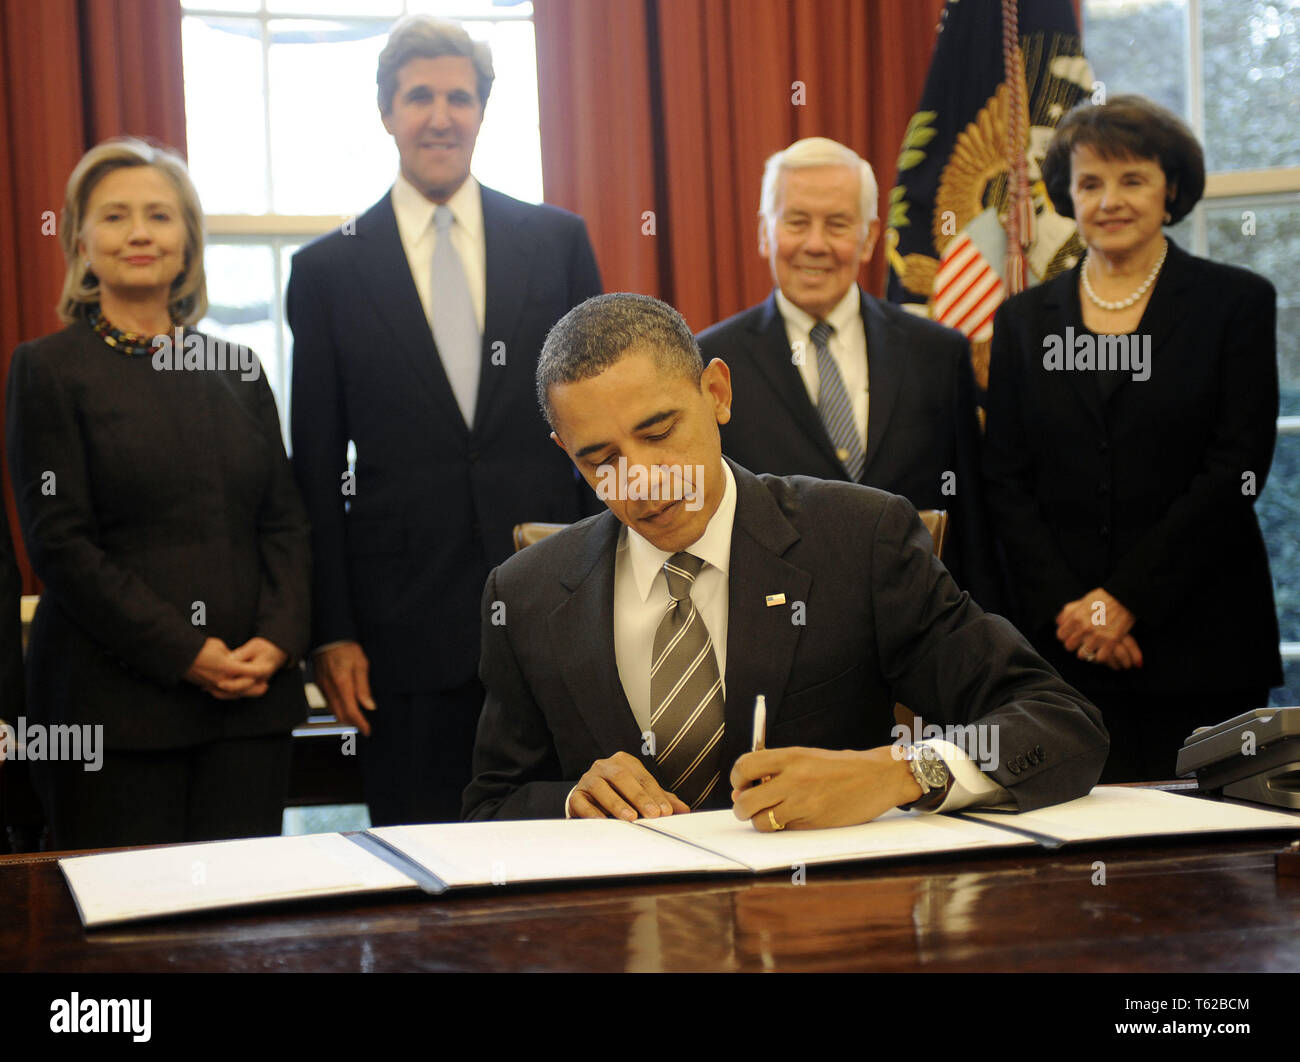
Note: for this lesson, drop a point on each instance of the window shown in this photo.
(1231, 69)
(285, 140)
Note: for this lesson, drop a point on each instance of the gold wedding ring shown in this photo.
(772, 819)
(1088, 654)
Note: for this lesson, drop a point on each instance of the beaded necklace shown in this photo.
(128, 343)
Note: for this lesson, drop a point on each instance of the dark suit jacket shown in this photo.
(140, 493)
(884, 622)
(1142, 492)
(400, 568)
(11, 649)
(921, 422)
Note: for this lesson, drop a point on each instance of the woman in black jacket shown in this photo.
(159, 511)
(1132, 411)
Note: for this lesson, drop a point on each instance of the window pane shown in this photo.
(330, 154)
(391, 8)
(508, 156)
(1289, 692)
(1251, 61)
(287, 251)
(1139, 46)
(1279, 519)
(452, 8)
(241, 283)
(1272, 251)
(224, 113)
(223, 5)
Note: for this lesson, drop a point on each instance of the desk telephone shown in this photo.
(1252, 756)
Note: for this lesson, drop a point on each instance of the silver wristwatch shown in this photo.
(931, 774)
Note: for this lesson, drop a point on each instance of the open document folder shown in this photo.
(125, 886)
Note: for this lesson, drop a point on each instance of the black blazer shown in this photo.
(400, 563)
(921, 424)
(141, 493)
(11, 647)
(1143, 492)
(884, 622)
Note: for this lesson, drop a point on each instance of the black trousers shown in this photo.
(225, 789)
(1146, 731)
(417, 761)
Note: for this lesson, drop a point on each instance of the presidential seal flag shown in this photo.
(969, 220)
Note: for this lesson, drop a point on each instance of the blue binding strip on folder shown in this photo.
(427, 881)
(1043, 839)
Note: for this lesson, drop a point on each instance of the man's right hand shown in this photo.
(621, 788)
(343, 674)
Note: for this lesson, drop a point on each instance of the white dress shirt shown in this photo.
(641, 598)
(848, 346)
(419, 239)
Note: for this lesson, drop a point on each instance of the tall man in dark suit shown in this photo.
(622, 656)
(833, 383)
(415, 339)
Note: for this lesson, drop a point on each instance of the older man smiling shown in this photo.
(833, 383)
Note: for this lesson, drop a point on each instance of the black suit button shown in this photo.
(1102, 448)
(473, 455)
(1104, 531)
(1103, 489)
(1033, 758)
(1012, 767)
(1041, 754)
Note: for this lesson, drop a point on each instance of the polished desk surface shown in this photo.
(1170, 905)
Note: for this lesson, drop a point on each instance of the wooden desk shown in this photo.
(1204, 906)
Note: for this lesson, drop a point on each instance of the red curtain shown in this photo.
(672, 106)
(72, 72)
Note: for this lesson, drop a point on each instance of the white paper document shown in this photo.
(894, 833)
(498, 853)
(123, 886)
(1114, 812)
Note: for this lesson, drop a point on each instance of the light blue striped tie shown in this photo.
(455, 325)
(834, 406)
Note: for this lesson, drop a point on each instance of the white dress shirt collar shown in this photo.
(713, 547)
(839, 318)
(415, 213)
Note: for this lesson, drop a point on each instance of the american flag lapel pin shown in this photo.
(775, 599)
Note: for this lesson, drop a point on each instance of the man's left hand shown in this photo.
(809, 789)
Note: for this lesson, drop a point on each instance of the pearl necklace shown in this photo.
(1123, 304)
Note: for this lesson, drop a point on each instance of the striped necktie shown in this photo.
(834, 406)
(685, 692)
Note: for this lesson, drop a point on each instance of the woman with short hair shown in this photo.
(1132, 410)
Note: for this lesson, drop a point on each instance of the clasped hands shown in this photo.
(1096, 629)
(228, 674)
(802, 788)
